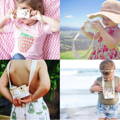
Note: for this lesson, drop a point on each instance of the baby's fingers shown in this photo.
(34, 12)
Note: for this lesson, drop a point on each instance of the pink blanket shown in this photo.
(52, 43)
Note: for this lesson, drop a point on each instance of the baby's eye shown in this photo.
(24, 8)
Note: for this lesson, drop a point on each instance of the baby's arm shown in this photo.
(90, 35)
(44, 84)
(96, 87)
(3, 86)
(54, 24)
(110, 41)
(3, 22)
(7, 18)
(117, 89)
(44, 81)
(5, 91)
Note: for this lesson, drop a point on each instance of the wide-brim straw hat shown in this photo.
(110, 9)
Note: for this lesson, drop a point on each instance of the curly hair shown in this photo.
(35, 4)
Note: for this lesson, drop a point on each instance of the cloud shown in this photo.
(69, 16)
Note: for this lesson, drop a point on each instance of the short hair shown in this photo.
(107, 65)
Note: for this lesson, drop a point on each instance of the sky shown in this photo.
(73, 12)
(84, 64)
(80, 81)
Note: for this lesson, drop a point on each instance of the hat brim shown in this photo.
(112, 16)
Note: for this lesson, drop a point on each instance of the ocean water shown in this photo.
(75, 85)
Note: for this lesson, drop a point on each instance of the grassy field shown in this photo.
(67, 55)
(70, 55)
(81, 43)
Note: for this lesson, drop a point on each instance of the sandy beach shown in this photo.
(84, 113)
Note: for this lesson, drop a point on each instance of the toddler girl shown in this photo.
(107, 34)
(29, 26)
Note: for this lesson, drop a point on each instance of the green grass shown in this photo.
(69, 55)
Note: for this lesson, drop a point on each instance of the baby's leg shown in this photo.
(101, 112)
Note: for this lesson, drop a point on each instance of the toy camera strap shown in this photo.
(89, 49)
(32, 71)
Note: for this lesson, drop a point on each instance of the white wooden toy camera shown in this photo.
(109, 93)
(23, 13)
(20, 92)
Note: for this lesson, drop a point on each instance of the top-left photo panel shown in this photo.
(30, 29)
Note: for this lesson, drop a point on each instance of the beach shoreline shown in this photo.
(83, 113)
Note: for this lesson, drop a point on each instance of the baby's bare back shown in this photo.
(19, 74)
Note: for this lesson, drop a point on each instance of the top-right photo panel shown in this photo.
(90, 29)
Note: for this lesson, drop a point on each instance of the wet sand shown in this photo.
(83, 113)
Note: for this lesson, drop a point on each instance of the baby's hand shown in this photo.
(117, 89)
(97, 88)
(35, 14)
(11, 14)
(26, 100)
(14, 14)
(17, 102)
(97, 25)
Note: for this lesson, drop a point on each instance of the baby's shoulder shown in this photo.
(117, 78)
(99, 79)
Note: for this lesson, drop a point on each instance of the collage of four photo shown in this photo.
(59, 60)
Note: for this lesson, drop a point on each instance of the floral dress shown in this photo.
(101, 51)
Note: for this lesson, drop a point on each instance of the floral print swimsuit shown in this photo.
(101, 51)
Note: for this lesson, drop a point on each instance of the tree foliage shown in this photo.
(54, 72)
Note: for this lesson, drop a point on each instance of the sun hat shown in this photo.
(110, 9)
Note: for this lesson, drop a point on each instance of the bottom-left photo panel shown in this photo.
(29, 90)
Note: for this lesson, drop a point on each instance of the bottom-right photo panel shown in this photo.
(89, 90)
